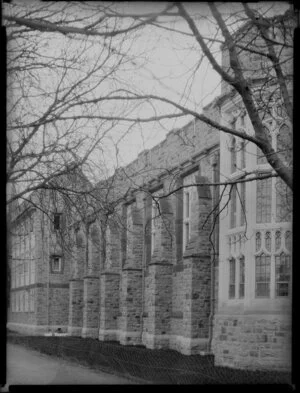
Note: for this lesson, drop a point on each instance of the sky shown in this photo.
(181, 74)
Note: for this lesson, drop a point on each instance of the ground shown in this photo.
(25, 366)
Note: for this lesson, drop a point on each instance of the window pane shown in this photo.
(282, 262)
(288, 240)
(257, 241)
(277, 240)
(263, 200)
(268, 241)
(232, 278)
(262, 273)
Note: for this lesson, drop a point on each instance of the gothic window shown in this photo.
(277, 240)
(233, 155)
(233, 207)
(262, 275)
(231, 278)
(268, 241)
(282, 263)
(242, 277)
(288, 240)
(31, 223)
(263, 200)
(257, 241)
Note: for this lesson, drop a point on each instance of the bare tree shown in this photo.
(93, 90)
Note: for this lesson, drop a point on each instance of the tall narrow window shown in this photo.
(268, 241)
(242, 277)
(257, 241)
(262, 275)
(186, 218)
(282, 263)
(31, 223)
(56, 221)
(277, 240)
(288, 240)
(56, 264)
(231, 278)
(233, 155)
(233, 207)
(263, 200)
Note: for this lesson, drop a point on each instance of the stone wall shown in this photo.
(253, 341)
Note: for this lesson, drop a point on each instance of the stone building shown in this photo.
(157, 266)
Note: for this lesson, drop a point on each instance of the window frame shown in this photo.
(57, 225)
(52, 259)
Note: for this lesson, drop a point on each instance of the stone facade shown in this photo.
(161, 269)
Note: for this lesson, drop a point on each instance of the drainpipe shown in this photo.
(213, 255)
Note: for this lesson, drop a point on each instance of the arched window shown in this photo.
(268, 241)
(288, 240)
(262, 275)
(282, 263)
(284, 143)
(257, 241)
(277, 240)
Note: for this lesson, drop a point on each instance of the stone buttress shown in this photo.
(158, 278)
(109, 284)
(91, 286)
(131, 279)
(76, 285)
(197, 274)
